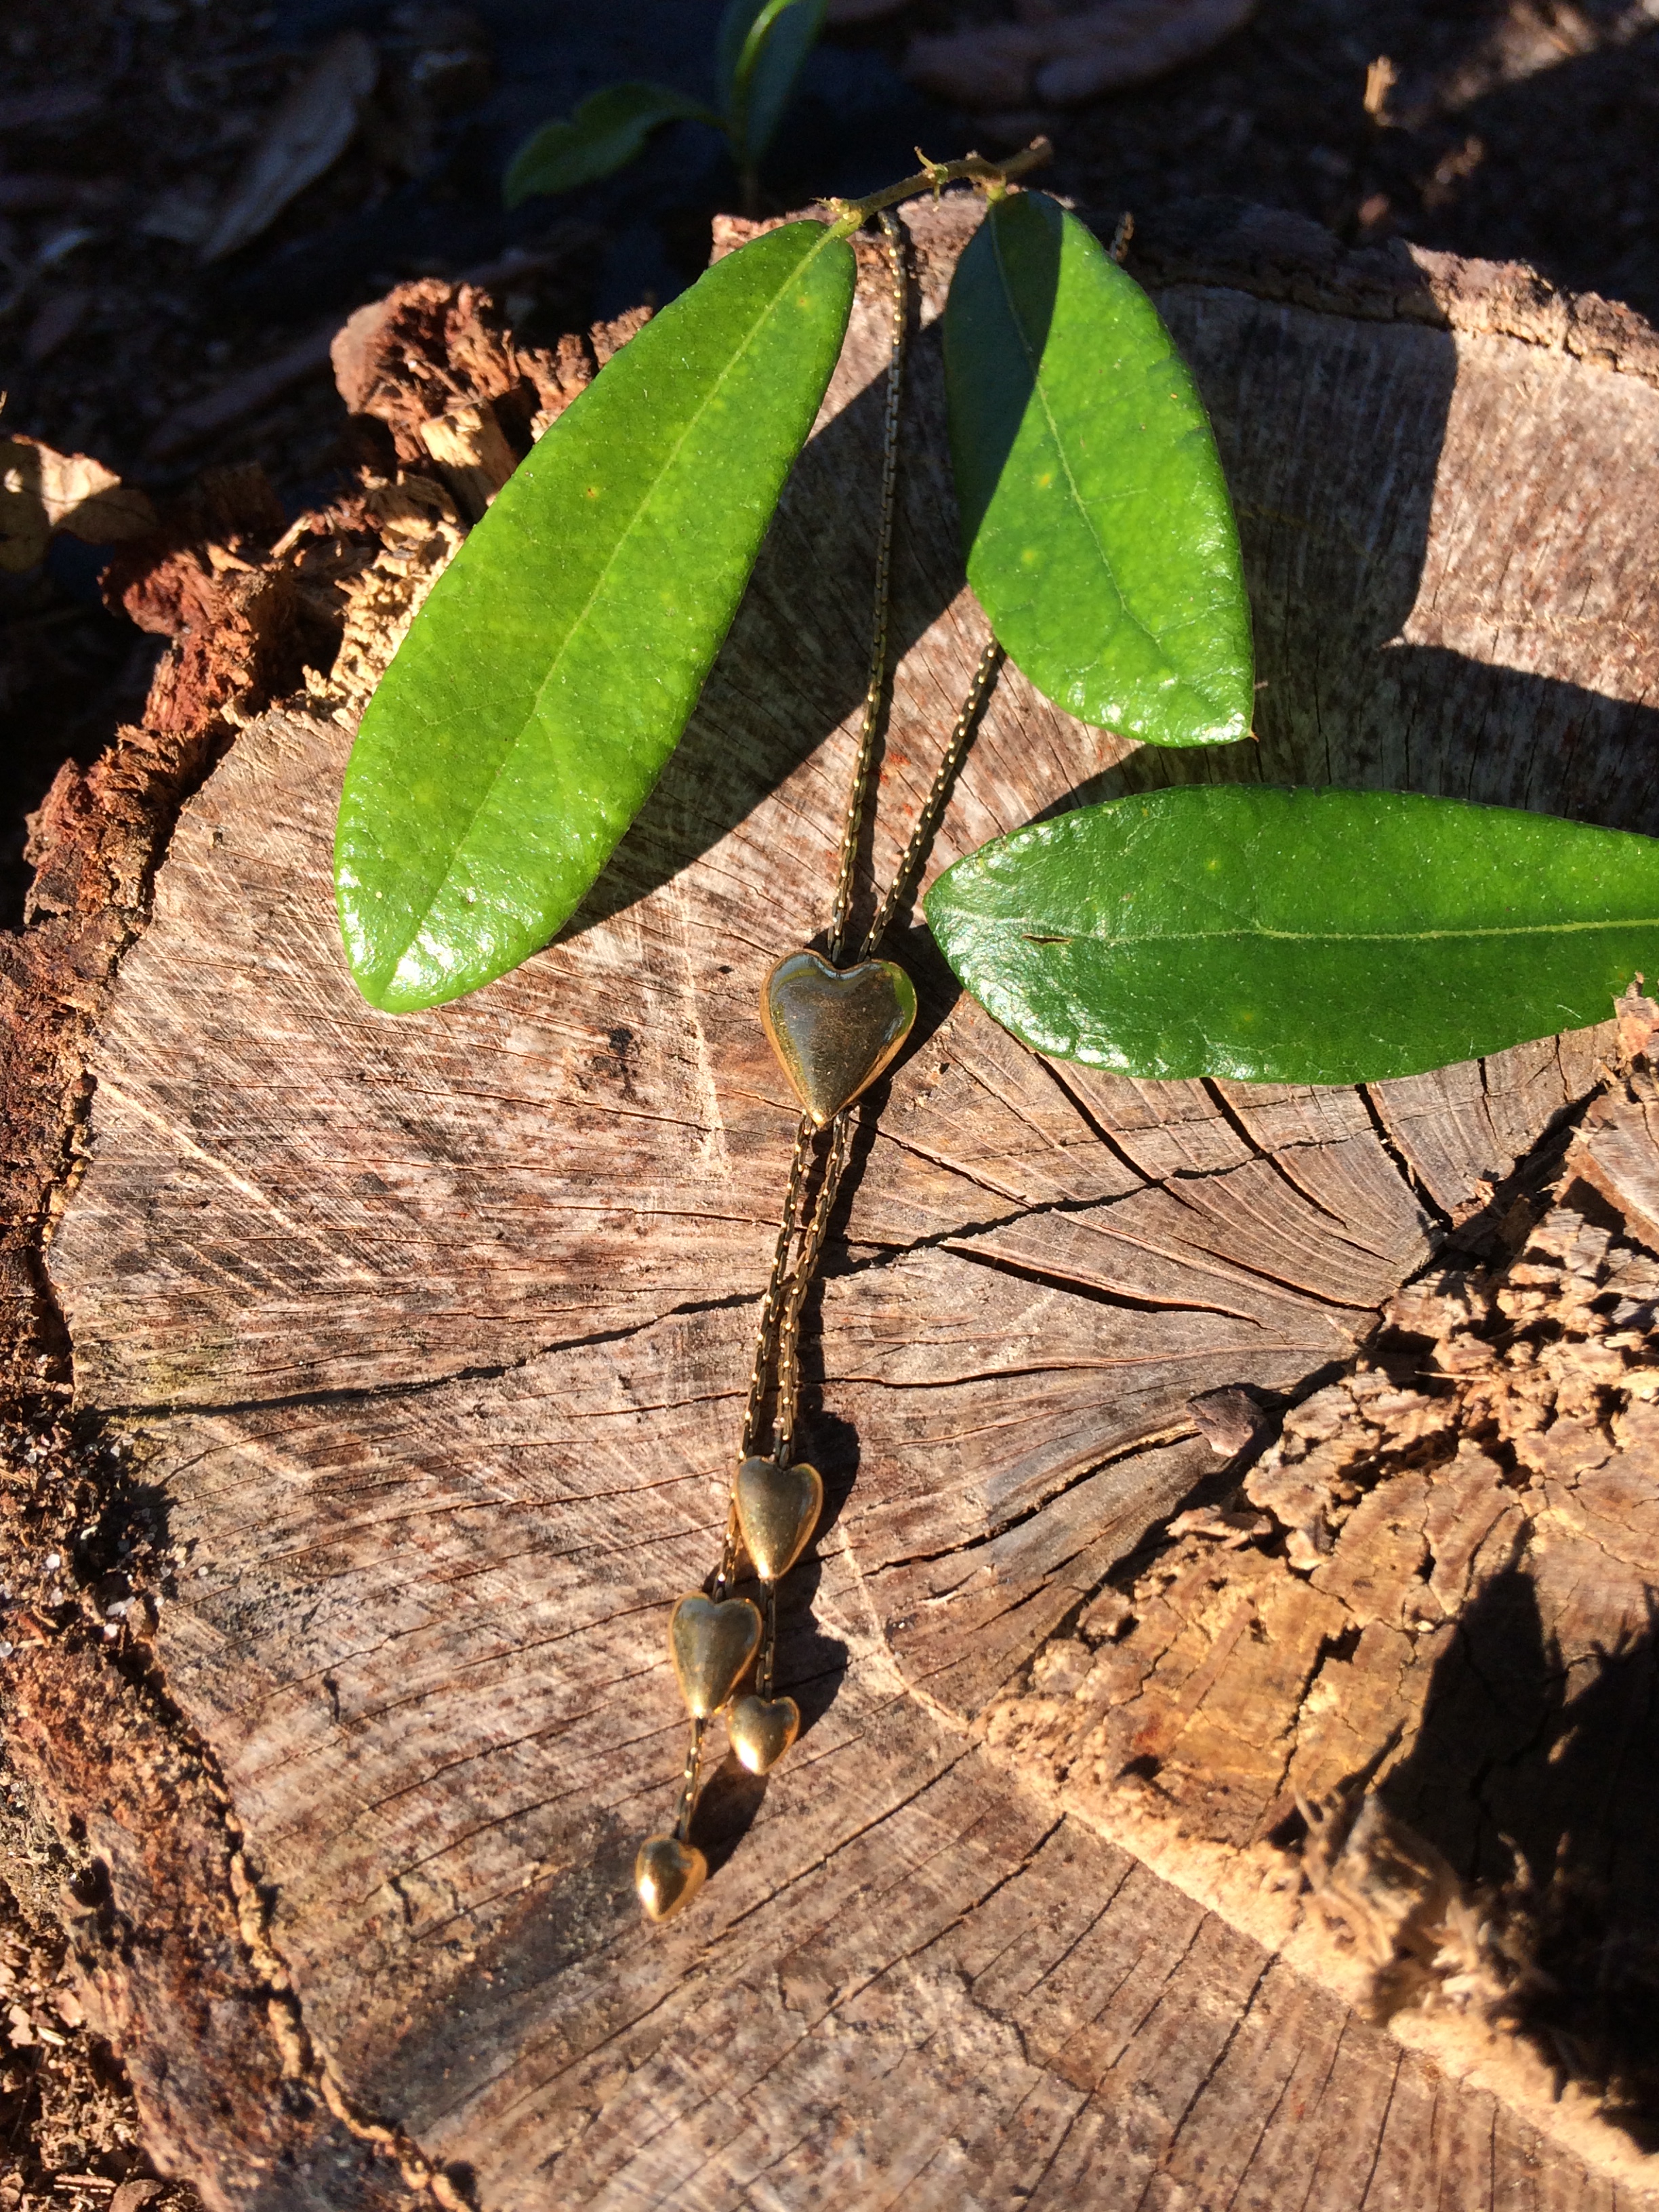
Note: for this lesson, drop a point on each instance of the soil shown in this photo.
(1521, 131)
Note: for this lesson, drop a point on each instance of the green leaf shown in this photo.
(545, 682)
(1298, 936)
(1098, 531)
(606, 132)
(761, 50)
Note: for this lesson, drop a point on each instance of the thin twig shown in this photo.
(851, 214)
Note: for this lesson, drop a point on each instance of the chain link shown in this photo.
(875, 690)
(760, 1370)
(933, 806)
(777, 1336)
(807, 1266)
(688, 1804)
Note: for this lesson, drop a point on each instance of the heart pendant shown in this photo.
(761, 1730)
(777, 1509)
(834, 1029)
(711, 1644)
(667, 1875)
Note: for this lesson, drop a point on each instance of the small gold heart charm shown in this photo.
(668, 1874)
(834, 1029)
(711, 1644)
(761, 1730)
(777, 1509)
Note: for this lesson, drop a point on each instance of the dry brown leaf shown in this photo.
(50, 104)
(991, 67)
(243, 396)
(1070, 58)
(41, 491)
(305, 135)
(59, 318)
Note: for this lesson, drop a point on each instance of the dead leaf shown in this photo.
(52, 105)
(58, 321)
(181, 215)
(243, 396)
(1135, 40)
(33, 193)
(306, 135)
(1069, 58)
(41, 491)
(991, 67)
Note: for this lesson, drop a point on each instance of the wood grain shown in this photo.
(434, 1332)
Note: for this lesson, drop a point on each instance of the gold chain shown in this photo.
(670, 1869)
(875, 688)
(760, 1374)
(927, 821)
(807, 1266)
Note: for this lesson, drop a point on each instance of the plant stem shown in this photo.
(934, 177)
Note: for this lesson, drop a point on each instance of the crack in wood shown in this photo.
(1072, 1286)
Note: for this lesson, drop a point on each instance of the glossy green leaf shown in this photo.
(608, 130)
(1099, 536)
(1298, 936)
(761, 49)
(547, 678)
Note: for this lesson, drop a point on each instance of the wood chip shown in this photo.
(474, 456)
(133, 2196)
(1228, 1419)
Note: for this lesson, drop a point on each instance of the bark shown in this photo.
(429, 1338)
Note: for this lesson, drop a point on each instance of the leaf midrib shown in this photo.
(1038, 932)
(581, 618)
(1152, 636)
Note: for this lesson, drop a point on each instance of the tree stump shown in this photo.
(431, 1336)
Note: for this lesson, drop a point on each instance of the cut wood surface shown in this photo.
(432, 1336)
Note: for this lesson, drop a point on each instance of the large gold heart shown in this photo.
(668, 1874)
(761, 1730)
(834, 1029)
(777, 1509)
(711, 1644)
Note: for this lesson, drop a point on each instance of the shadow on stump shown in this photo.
(1537, 1778)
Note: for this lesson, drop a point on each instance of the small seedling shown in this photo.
(760, 50)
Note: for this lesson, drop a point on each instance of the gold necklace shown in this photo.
(835, 1030)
